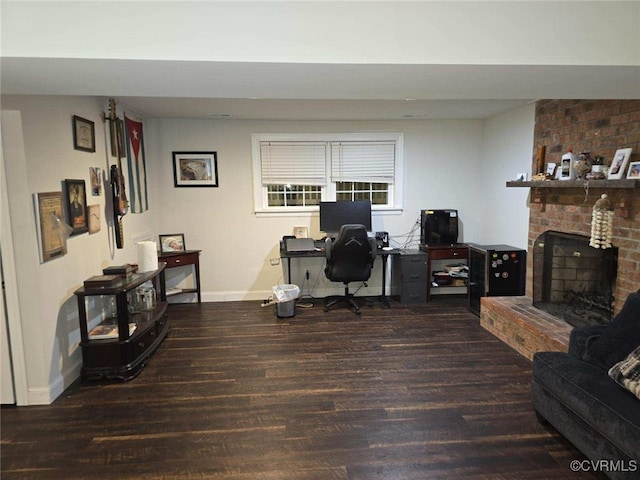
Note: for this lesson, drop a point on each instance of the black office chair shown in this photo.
(349, 259)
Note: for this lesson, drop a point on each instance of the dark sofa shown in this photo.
(575, 393)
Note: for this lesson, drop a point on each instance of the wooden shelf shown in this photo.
(543, 188)
(625, 183)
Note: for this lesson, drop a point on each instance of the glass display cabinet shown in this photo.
(123, 320)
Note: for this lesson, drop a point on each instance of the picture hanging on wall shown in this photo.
(195, 169)
(52, 230)
(95, 174)
(84, 134)
(76, 203)
(94, 218)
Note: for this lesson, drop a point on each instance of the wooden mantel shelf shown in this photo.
(625, 183)
(544, 188)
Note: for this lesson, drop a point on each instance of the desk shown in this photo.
(320, 252)
(181, 259)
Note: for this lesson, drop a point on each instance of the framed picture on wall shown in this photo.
(75, 194)
(619, 164)
(94, 218)
(52, 231)
(195, 169)
(171, 243)
(84, 134)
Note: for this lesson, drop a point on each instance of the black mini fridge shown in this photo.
(495, 271)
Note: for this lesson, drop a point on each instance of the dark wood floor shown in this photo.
(236, 393)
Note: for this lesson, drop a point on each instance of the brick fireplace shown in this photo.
(572, 280)
(599, 127)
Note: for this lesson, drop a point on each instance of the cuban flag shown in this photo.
(137, 196)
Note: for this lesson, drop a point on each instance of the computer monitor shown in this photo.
(335, 214)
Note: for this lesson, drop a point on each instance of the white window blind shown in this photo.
(296, 163)
(363, 162)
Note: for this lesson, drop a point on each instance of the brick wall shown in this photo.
(599, 127)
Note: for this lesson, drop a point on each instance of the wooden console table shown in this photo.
(182, 259)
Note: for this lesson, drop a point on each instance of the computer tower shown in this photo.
(438, 227)
(495, 271)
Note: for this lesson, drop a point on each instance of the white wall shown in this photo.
(441, 171)
(49, 321)
(506, 151)
(445, 167)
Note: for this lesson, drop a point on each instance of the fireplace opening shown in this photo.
(573, 281)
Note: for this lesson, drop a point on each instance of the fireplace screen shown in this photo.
(573, 281)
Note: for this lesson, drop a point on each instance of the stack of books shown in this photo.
(122, 271)
(452, 276)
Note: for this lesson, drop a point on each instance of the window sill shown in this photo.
(305, 212)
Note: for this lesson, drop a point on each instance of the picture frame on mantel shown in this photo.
(195, 169)
(619, 164)
(634, 171)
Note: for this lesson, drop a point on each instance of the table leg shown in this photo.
(383, 296)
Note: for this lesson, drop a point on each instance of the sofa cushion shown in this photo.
(593, 396)
(619, 339)
(627, 373)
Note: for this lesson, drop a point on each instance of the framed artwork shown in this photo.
(634, 170)
(195, 169)
(84, 134)
(52, 231)
(94, 218)
(95, 174)
(619, 164)
(300, 231)
(172, 242)
(75, 194)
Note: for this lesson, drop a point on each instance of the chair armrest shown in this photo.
(374, 248)
(327, 248)
(580, 336)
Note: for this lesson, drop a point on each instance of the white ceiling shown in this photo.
(297, 91)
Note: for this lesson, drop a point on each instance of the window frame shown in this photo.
(328, 192)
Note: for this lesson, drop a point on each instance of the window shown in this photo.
(293, 173)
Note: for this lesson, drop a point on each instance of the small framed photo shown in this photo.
(619, 164)
(75, 194)
(300, 231)
(195, 169)
(94, 218)
(84, 134)
(171, 243)
(634, 171)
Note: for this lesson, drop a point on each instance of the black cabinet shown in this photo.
(117, 338)
(409, 281)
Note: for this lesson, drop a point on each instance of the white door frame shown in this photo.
(12, 150)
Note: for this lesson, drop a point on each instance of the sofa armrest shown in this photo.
(579, 338)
